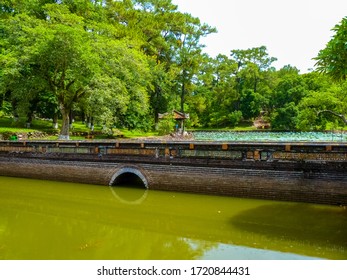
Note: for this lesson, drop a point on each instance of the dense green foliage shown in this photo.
(333, 59)
(120, 63)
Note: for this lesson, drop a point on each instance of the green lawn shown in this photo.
(42, 129)
(8, 126)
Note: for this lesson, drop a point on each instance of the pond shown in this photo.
(56, 220)
(268, 136)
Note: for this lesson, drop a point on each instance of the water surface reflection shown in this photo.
(54, 220)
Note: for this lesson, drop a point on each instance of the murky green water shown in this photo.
(54, 220)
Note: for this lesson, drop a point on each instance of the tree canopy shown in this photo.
(332, 60)
(121, 63)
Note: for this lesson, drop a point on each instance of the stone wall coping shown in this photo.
(173, 143)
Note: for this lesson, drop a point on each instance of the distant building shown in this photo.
(178, 117)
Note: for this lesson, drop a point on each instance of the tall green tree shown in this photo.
(253, 77)
(53, 54)
(71, 57)
(157, 23)
(251, 64)
(332, 60)
(189, 55)
(288, 92)
(224, 95)
(320, 108)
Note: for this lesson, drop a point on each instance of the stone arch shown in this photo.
(132, 172)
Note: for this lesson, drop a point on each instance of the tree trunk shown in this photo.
(183, 89)
(83, 117)
(64, 132)
(55, 121)
(156, 107)
(2, 97)
(182, 102)
(255, 84)
(71, 119)
(29, 119)
(14, 110)
(92, 123)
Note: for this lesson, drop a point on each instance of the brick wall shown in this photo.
(296, 183)
(265, 184)
(86, 172)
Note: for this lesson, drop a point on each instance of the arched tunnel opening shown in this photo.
(133, 185)
(129, 179)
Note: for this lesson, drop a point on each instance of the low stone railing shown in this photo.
(331, 152)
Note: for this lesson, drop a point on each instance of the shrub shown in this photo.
(166, 126)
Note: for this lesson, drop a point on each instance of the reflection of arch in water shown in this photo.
(133, 177)
(123, 197)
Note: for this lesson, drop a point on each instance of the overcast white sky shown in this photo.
(293, 31)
